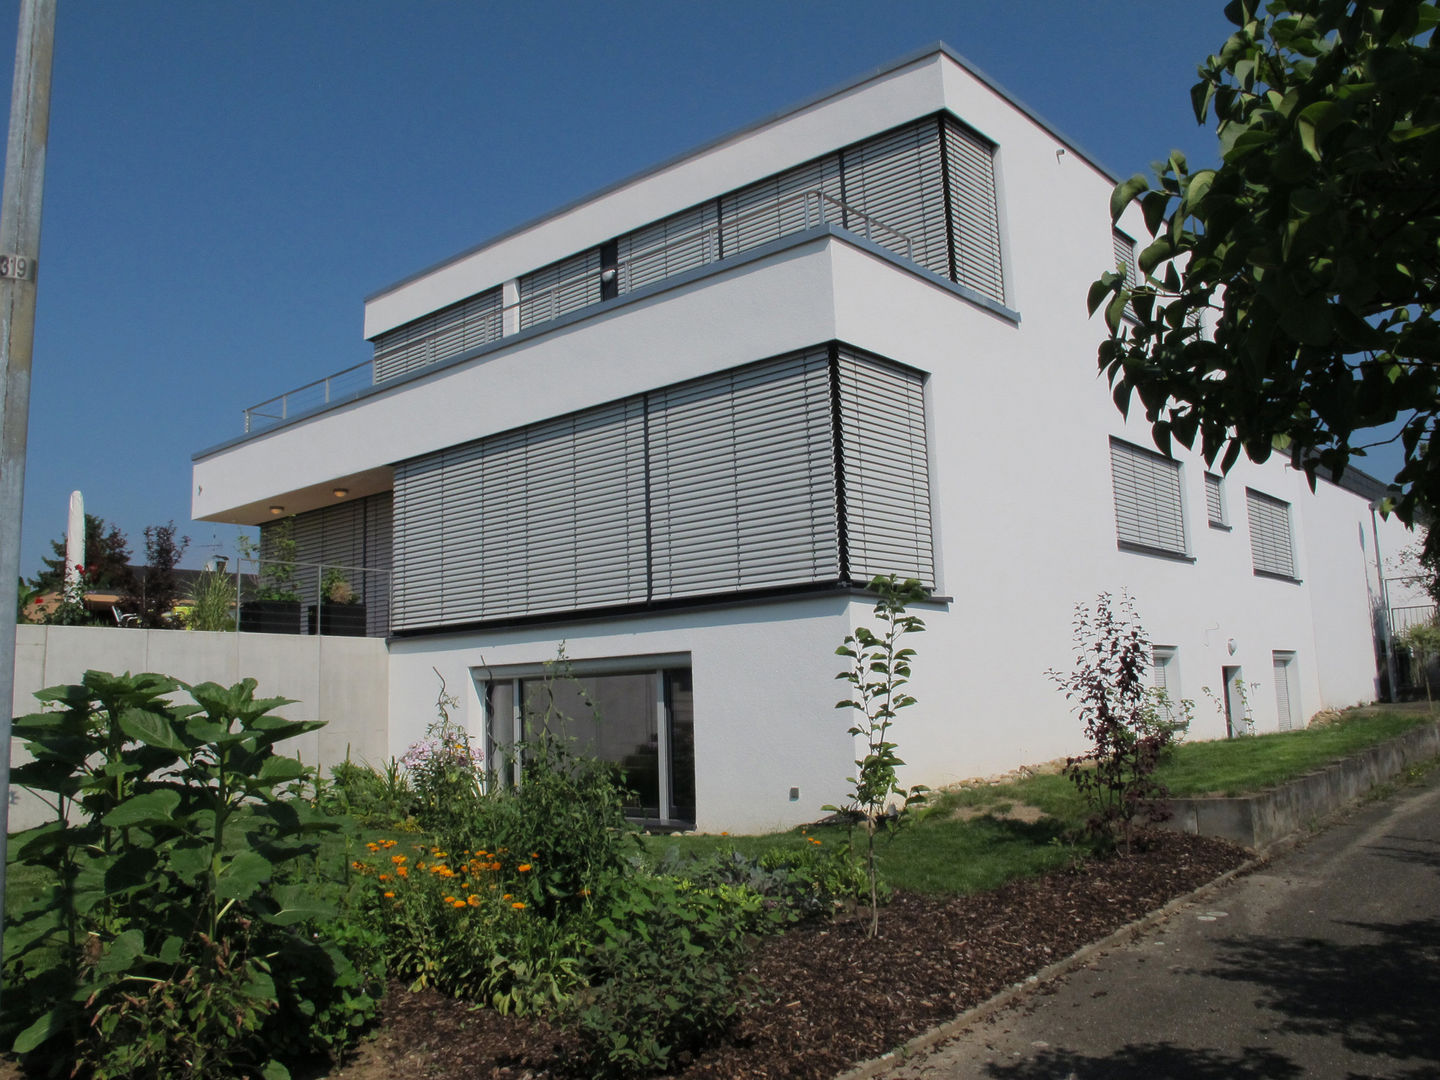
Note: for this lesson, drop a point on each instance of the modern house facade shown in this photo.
(673, 428)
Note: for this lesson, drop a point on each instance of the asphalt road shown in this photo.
(1323, 964)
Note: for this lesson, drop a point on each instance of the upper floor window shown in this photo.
(1149, 507)
(1215, 501)
(1272, 550)
(1125, 263)
(924, 191)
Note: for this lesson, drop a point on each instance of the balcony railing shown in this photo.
(815, 208)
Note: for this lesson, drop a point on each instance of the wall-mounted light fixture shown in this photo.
(340, 493)
(277, 510)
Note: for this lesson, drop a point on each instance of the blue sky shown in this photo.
(227, 181)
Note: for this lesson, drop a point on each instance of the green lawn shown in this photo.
(975, 839)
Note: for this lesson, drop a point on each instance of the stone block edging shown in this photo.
(1259, 820)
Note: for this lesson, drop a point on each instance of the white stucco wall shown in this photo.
(764, 688)
(340, 680)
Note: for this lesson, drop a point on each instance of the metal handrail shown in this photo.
(813, 201)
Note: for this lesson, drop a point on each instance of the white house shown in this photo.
(673, 426)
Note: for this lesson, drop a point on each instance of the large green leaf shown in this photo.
(38, 1033)
(151, 729)
(122, 953)
(242, 875)
(296, 904)
(150, 808)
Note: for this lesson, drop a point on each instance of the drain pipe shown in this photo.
(1390, 668)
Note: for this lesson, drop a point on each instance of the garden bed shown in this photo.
(827, 997)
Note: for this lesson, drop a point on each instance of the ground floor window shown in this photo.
(642, 720)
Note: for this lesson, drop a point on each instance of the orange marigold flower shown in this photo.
(389, 896)
(403, 872)
(357, 865)
(398, 859)
(473, 900)
(373, 846)
(458, 904)
(524, 866)
(494, 866)
(384, 877)
(505, 897)
(518, 906)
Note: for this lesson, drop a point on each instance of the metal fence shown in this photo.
(795, 213)
(279, 597)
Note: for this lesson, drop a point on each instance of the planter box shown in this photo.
(270, 617)
(337, 620)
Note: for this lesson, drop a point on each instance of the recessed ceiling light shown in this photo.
(340, 493)
(277, 509)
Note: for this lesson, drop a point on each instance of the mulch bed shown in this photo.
(829, 998)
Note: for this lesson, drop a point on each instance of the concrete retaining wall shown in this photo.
(1259, 820)
(344, 681)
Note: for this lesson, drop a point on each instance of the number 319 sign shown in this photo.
(18, 267)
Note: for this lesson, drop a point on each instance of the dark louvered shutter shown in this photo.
(1149, 504)
(896, 181)
(678, 243)
(560, 287)
(742, 480)
(886, 477)
(1271, 549)
(439, 336)
(780, 205)
(970, 164)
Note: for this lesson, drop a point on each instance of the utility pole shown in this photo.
(19, 254)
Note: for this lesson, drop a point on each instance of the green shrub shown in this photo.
(667, 976)
(182, 929)
(368, 795)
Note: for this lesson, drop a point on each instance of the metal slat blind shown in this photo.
(886, 470)
(678, 243)
(742, 480)
(1125, 257)
(1149, 509)
(897, 179)
(971, 164)
(418, 525)
(439, 335)
(776, 206)
(375, 590)
(560, 287)
(1283, 707)
(1214, 499)
(545, 518)
(1271, 551)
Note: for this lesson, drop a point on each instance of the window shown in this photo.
(642, 719)
(1149, 508)
(807, 469)
(1271, 550)
(1165, 675)
(1286, 699)
(924, 190)
(1125, 263)
(1215, 501)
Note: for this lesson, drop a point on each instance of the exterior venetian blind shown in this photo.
(774, 207)
(1283, 707)
(545, 518)
(896, 179)
(438, 336)
(724, 484)
(559, 288)
(1149, 509)
(1215, 499)
(970, 164)
(678, 243)
(886, 478)
(742, 479)
(1271, 549)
